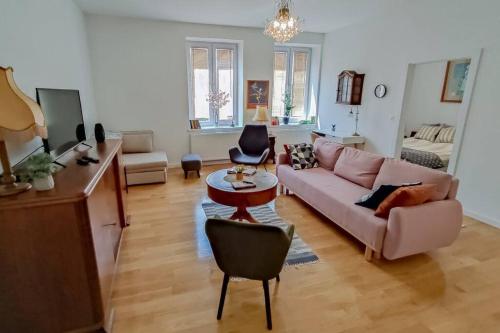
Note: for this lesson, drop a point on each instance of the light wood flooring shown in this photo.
(168, 282)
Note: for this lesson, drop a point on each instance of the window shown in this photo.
(291, 73)
(212, 67)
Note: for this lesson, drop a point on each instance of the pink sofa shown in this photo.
(346, 174)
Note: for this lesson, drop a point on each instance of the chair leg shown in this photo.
(265, 167)
(185, 174)
(278, 278)
(222, 296)
(265, 284)
(198, 172)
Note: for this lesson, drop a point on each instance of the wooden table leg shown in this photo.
(242, 214)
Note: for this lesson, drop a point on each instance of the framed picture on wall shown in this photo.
(257, 93)
(455, 80)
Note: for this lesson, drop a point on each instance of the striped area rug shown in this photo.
(299, 254)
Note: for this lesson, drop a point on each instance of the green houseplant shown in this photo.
(288, 102)
(39, 170)
(239, 171)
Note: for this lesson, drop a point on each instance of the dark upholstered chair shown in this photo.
(247, 250)
(254, 144)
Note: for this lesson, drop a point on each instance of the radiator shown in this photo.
(213, 146)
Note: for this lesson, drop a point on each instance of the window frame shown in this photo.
(290, 59)
(213, 81)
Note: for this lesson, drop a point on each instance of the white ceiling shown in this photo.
(319, 15)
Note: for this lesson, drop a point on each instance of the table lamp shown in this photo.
(261, 115)
(21, 119)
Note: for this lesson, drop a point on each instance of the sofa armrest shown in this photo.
(282, 159)
(421, 228)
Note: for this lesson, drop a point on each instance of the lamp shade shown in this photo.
(261, 114)
(21, 118)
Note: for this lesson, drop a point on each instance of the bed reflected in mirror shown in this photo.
(432, 107)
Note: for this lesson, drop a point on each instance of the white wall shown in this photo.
(46, 44)
(423, 105)
(431, 30)
(139, 71)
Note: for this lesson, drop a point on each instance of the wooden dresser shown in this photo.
(58, 249)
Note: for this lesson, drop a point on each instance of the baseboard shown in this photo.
(481, 218)
(176, 165)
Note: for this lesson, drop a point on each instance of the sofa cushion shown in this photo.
(405, 196)
(327, 152)
(358, 166)
(143, 162)
(399, 172)
(334, 197)
(137, 141)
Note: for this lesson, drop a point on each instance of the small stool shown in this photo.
(191, 162)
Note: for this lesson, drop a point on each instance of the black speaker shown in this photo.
(100, 136)
(80, 133)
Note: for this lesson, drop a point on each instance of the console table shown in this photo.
(58, 248)
(345, 140)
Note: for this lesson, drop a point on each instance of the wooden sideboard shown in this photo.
(58, 248)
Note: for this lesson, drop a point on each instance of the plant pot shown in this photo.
(239, 176)
(286, 120)
(44, 184)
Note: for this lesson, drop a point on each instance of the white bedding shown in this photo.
(443, 150)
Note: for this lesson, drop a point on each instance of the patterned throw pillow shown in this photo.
(302, 156)
(446, 135)
(427, 133)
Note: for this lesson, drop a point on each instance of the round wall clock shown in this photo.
(380, 90)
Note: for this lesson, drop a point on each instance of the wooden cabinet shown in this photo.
(58, 249)
(350, 88)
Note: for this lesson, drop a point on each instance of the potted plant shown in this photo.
(39, 170)
(288, 102)
(239, 171)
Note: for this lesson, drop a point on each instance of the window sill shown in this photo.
(222, 130)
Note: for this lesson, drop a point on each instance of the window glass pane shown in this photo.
(279, 83)
(300, 61)
(225, 67)
(201, 83)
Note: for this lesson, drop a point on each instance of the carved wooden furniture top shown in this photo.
(73, 183)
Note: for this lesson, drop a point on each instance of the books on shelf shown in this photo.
(195, 124)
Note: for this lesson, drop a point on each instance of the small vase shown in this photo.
(44, 184)
(239, 176)
(286, 120)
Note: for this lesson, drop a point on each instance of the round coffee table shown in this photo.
(221, 191)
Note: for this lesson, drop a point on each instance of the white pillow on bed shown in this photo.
(446, 135)
(428, 133)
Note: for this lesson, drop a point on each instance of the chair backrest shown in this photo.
(254, 140)
(137, 141)
(251, 251)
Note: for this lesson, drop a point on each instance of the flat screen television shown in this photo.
(63, 114)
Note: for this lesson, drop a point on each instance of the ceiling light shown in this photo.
(283, 26)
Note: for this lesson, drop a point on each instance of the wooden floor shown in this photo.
(168, 281)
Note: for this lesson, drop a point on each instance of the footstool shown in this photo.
(191, 162)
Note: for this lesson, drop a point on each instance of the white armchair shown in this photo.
(142, 164)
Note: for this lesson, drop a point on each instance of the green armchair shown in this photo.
(251, 251)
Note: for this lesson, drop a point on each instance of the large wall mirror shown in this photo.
(434, 114)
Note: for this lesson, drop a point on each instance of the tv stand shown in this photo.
(59, 248)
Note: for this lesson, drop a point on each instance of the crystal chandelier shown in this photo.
(283, 26)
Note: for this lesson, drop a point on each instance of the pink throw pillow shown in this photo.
(327, 152)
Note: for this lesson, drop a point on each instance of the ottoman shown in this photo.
(191, 162)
